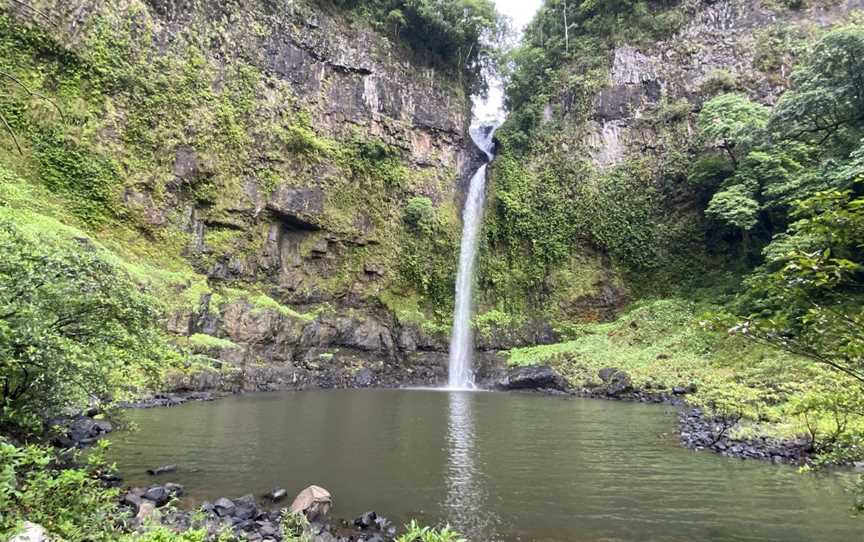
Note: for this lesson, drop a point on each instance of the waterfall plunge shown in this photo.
(461, 375)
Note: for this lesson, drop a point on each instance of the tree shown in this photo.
(731, 123)
(827, 96)
(736, 205)
(806, 299)
(73, 327)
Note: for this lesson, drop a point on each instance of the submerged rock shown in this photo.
(277, 494)
(535, 377)
(164, 469)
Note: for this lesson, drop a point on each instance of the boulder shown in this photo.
(314, 502)
(223, 507)
(535, 377)
(267, 529)
(132, 500)
(617, 382)
(31, 533)
(245, 508)
(158, 495)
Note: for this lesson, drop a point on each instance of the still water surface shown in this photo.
(504, 467)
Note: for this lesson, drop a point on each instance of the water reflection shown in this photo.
(466, 500)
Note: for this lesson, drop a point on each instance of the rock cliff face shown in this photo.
(725, 46)
(268, 150)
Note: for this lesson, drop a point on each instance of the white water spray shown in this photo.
(461, 374)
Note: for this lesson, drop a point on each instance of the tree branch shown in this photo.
(11, 133)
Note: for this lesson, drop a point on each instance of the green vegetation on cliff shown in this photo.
(460, 35)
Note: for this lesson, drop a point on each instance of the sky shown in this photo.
(521, 12)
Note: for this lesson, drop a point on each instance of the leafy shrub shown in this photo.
(720, 81)
(72, 503)
(74, 328)
(205, 342)
(420, 213)
(417, 533)
(295, 527)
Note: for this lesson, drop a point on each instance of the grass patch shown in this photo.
(208, 342)
(668, 343)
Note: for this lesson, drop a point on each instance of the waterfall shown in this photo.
(461, 374)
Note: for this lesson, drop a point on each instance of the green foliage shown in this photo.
(417, 533)
(209, 342)
(806, 299)
(73, 327)
(420, 213)
(620, 210)
(826, 101)
(495, 320)
(659, 343)
(735, 205)
(427, 253)
(164, 534)
(719, 82)
(295, 527)
(730, 122)
(70, 502)
(832, 410)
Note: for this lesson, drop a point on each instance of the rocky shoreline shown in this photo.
(255, 519)
(697, 429)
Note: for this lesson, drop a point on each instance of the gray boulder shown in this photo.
(223, 507)
(616, 382)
